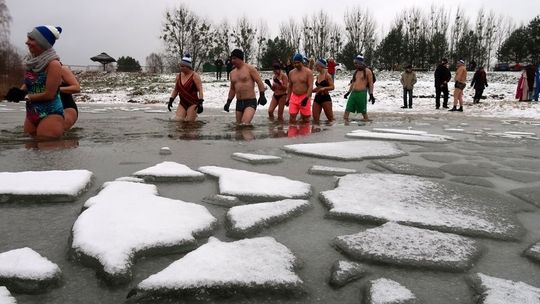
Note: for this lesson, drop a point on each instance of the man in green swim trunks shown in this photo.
(361, 84)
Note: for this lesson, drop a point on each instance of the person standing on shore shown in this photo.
(322, 101)
(243, 80)
(361, 85)
(331, 65)
(299, 90)
(479, 82)
(460, 84)
(442, 77)
(219, 67)
(279, 85)
(228, 67)
(408, 79)
(189, 88)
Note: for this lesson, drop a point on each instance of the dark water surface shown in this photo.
(115, 141)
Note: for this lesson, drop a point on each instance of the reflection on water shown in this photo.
(56, 144)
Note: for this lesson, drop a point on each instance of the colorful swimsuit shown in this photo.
(187, 92)
(36, 111)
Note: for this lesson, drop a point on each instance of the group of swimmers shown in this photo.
(50, 109)
(293, 90)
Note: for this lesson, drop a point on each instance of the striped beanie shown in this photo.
(45, 35)
(186, 61)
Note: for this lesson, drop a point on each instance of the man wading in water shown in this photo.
(243, 79)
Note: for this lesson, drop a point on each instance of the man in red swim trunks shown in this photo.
(299, 90)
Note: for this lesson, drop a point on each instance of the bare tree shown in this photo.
(154, 63)
(291, 33)
(321, 34)
(11, 67)
(186, 33)
(222, 40)
(457, 32)
(505, 27)
(262, 39)
(438, 29)
(360, 27)
(5, 21)
(336, 40)
(243, 36)
(308, 36)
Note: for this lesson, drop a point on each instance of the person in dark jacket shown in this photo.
(479, 82)
(442, 77)
(219, 67)
(228, 67)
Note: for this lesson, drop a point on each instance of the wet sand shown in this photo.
(115, 141)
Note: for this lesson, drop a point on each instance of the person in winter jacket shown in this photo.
(537, 83)
(479, 82)
(522, 90)
(408, 79)
(442, 77)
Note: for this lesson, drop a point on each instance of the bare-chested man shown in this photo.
(243, 78)
(461, 83)
(361, 83)
(299, 90)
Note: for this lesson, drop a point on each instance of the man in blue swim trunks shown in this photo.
(243, 78)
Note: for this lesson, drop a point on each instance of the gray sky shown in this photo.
(132, 27)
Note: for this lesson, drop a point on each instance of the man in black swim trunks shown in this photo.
(243, 79)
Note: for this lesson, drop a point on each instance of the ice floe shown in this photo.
(169, 171)
(432, 138)
(396, 244)
(347, 150)
(25, 271)
(473, 181)
(324, 170)
(256, 158)
(421, 202)
(529, 194)
(385, 291)
(533, 252)
(492, 290)
(256, 265)
(253, 186)
(409, 169)
(222, 200)
(440, 158)
(250, 219)
(39, 186)
(344, 272)
(5, 296)
(127, 218)
(398, 131)
(524, 177)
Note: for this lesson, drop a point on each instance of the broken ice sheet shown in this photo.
(169, 171)
(256, 158)
(421, 202)
(432, 138)
(492, 290)
(348, 150)
(533, 252)
(385, 291)
(401, 245)
(48, 186)
(5, 296)
(344, 272)
(324, 170)
(257, 265)
(250, 219)
(253, 186)
(127, 218)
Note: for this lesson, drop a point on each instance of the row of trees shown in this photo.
(415, 37)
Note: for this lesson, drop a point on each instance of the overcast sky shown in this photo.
(132, 27)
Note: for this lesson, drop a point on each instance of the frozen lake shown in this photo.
(116, 140)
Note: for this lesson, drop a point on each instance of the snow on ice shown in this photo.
(256, 158)
(325, 170)
(424, 203)
(26, 271)
(492, 290)
(170, 171)
(347, 150)
(257, 264)
(344, 272)
(252, 186)
(431, 138)
(5, 296)
(533, 252)
(401, 245)
(385, 291)
(55, 185)
(250, 219)
(125, 218)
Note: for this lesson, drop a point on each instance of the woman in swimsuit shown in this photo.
(322, 101)
(44, 111)
(279, 86)
(189, 87)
